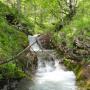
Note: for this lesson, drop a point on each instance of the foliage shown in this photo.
(11, 71)
(12, 41)
(42, 16)
(79, 26)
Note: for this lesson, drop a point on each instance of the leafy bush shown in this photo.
(11, 71)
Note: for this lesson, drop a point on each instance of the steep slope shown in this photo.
(74, 44)
(12, 41)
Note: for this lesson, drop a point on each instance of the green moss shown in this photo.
(78, 26)
(12, 41)
(11, 71)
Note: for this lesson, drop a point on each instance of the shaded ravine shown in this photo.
(50, 74)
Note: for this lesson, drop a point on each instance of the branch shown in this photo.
(14, 57)
(54, 14)
(63, 12)
(60, 5)
(76, 1)
(66, 2)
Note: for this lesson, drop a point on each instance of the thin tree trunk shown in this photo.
(19, 6)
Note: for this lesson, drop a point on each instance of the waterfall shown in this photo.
(32, 39)
(50, 74)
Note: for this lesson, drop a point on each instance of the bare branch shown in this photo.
(16, 56)
(54, 14)
(66, 2)
(60, 4)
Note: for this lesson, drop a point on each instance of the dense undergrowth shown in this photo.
(75, 37)
(12, 41)
(72, 41)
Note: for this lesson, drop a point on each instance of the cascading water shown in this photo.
(50, 75)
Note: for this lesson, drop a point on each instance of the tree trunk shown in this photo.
(19, 6)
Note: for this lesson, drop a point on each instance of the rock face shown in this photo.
(45, 41)
(32, 60)
(13, 20)
(86, 72)
(28, 60)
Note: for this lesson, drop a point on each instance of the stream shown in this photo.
(50, 74)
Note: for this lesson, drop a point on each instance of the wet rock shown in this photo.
(86, 72)
(11, 85)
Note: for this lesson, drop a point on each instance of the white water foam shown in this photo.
(50, 75)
